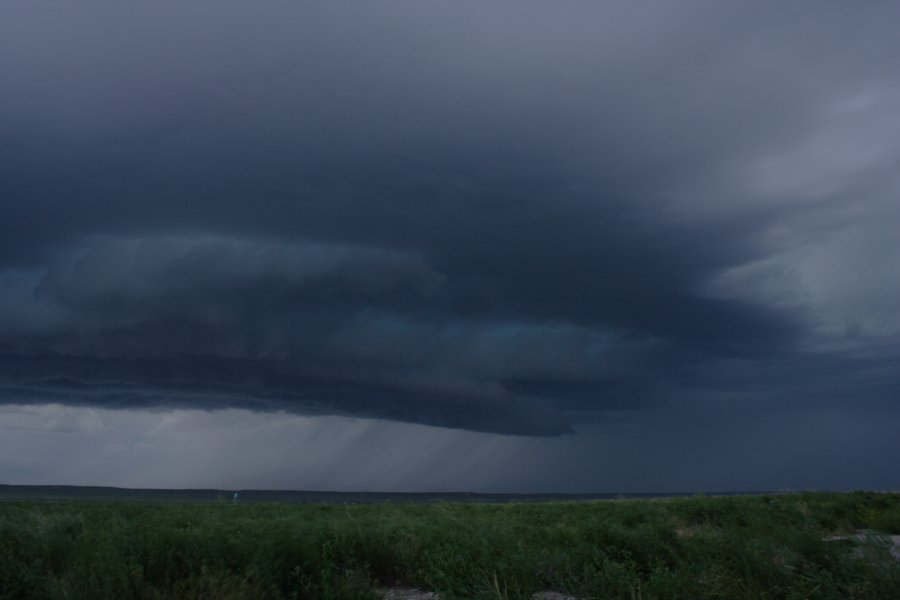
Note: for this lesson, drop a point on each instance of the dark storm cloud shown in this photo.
(457, 215)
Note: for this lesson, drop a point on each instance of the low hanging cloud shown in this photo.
(510, 223)
(314, 328)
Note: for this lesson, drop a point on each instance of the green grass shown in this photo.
(700, 547)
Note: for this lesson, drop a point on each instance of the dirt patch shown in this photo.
(869, 538)
(397, 593)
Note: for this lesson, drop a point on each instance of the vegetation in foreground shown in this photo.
(701, 547)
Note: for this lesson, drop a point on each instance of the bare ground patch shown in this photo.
(398, 593)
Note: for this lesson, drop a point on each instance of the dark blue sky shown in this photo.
(579, 246)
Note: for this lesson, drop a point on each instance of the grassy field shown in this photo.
(767, 546)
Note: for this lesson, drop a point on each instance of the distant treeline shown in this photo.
(104, 494)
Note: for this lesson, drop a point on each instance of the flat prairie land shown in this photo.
(805, 545)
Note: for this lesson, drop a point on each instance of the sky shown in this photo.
(432, 246)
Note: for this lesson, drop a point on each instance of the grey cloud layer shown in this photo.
(457, 215)
(313, 327)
